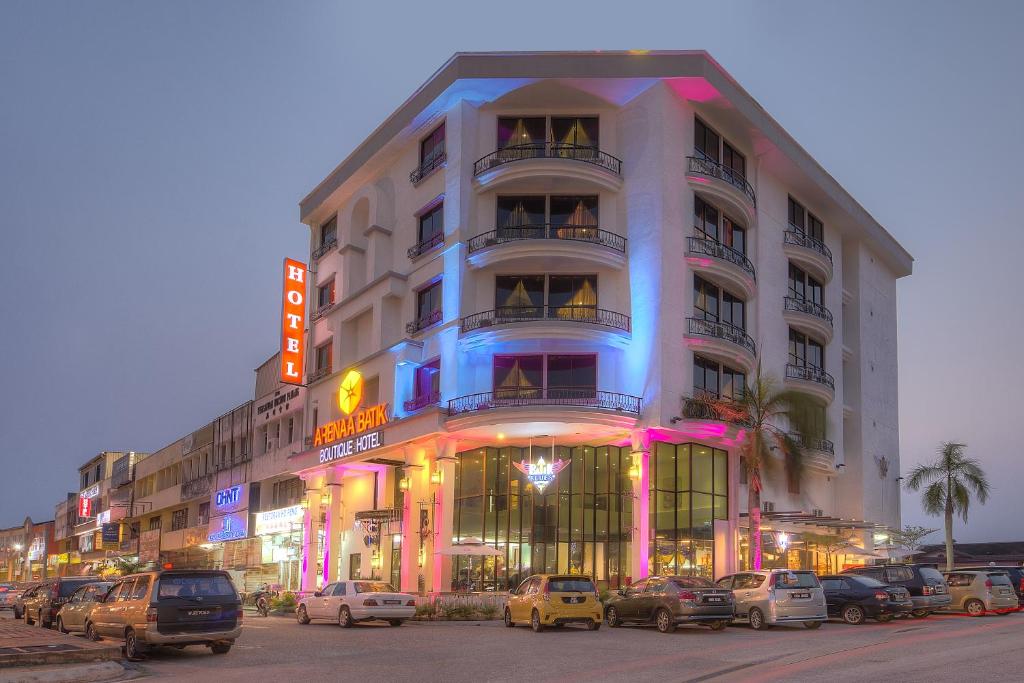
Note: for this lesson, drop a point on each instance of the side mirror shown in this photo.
(512, 591)
(621, 592)
(318, 594)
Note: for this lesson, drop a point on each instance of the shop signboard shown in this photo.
(280, 521)
(111, 534)
(293, 322)
(231, 499)
(359, 430)
(149, 546)
(102, 518)
(84, 507)
(229, 527)
(87, 542)
(541, 473)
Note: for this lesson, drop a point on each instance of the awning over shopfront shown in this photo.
(470, 546)
(810, 519)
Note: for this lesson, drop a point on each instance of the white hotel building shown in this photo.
(585, 240)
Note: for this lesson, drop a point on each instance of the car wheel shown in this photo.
(593, 625)
(756, 618)
(663, 620)
(90, 632)
(395, 622)
(28, 619)
(975, 608)
(220, 648)
(508, 618)
(812, 625)
(612, 617)
(853, 614)
(132, 649)
(301, 616)
(920, 613)
(535, 622)
(345, 617)
(718, 625)
(60, 626)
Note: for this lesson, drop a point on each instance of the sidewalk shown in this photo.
(22, 645)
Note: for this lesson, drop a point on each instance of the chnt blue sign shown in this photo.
(229, 497)
(230, 527)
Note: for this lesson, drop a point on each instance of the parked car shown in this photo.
(667, 601)
(1015, 572)
(855, 598)
(927, 588)
(347, 602)
(554, 600)
(8, 594)
(46, 600)
(176, 607)
(979, 593)
(71, 617)
(27, 590)
(776, 596)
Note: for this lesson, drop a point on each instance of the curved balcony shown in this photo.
(528, 322)
(809, 253)
(546, 244)
(324, 248)
(819, 454)
(724, 342)
(723, 265)
(724, 184)
(811, 380)
(555, 160)
(516, 398)
(808, 317)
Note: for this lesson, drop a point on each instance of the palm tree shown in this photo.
(950, 481)
(772, 419)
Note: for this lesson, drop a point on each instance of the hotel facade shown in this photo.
(519, 283)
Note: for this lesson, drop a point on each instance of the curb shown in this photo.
(96, 672)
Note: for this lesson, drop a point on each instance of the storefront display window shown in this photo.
(580, 524)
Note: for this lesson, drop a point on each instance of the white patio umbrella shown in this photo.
(857, 551)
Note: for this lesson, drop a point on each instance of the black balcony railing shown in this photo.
(823, 445)
(427, 167)
(321, 310)
(324, 248)
(319, 373)
(548, 150)
(726, 331)
(712, 169)
(801, 239)
(524, 314)
(426, 245)
(809, 373)
(574, 233)
(583, 397)
(422, 401)
(706, 247)
(423, 322)
(808, 307)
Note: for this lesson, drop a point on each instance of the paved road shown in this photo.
(944, 648)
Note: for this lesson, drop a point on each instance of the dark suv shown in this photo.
(1016, 573)
(928, 589)
(42, 606)
(670, 600)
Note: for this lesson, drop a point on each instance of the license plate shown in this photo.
(392, 602)
(800, 596)
(199, 612)
(714, 598)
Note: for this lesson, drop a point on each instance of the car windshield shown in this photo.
(570, 584)
(796, 580)
(69, 586)
(374, 587)
(868, 581)
(931, 575)
(693, 582)
(196, 586)
(1000, 578)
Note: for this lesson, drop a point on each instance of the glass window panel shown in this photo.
(580, 131)
(523, 293)
(471, 478)
(703, 513)
(702, 469)
(471, 518)
(518, 211)
(665, 467)
(683, 514)
(521, 131)
(432, 223)
(721, 507)
(574, 210)
(664, 522)
(721, 472)
(683, 467)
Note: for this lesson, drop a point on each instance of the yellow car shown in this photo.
(554, 600)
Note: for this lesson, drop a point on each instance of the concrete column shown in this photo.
(332, 530)
(419, 491)
(443, 528)
(641, 455)
(310, 530)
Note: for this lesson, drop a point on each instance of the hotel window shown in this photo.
(323, 357)
(287, 492)
(427, 383)
(396, 561)
(204, 514)
(572, 297)
(329, 232)
(716, 380)
(428, 306)
(519, 295)
(714, 304)
(711, 224)
(520, 212)
(518, 376)
(291, 429)
(706, 141)
(432, 150)
(518, 131)
(325, 294)
(538, 376)
(561, 212)
(576, 131)
(154, 523)
(804, 221)
(532, 131)
(804, 287)
(804, 352)
(179, 519)
(431, 227)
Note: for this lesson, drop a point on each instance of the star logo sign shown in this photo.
(350, 393)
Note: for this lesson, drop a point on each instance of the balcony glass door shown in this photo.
(574, 217)
(573, 297)
(572, 376)
(518, 377)
(519, 297)
(521, 131)
(521, 217)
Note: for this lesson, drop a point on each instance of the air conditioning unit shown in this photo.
(767, 506)
(818, 512)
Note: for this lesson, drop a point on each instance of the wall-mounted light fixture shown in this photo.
(404, 484)
(435, 476)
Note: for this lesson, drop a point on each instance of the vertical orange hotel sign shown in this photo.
(293, 322)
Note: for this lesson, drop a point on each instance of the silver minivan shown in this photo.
(777, 596)
(981, 592)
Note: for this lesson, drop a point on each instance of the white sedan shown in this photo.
(347, 602)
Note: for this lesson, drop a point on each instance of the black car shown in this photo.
(854, 598)
(42, 605)
(667, 601)
(926, 584)
(1016, 573)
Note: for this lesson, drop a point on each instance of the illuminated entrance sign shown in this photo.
(84, 507)
(541, 473)
(228, 528)
(280, 521)
(293, 322)
(228, 498)
(358, 431)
